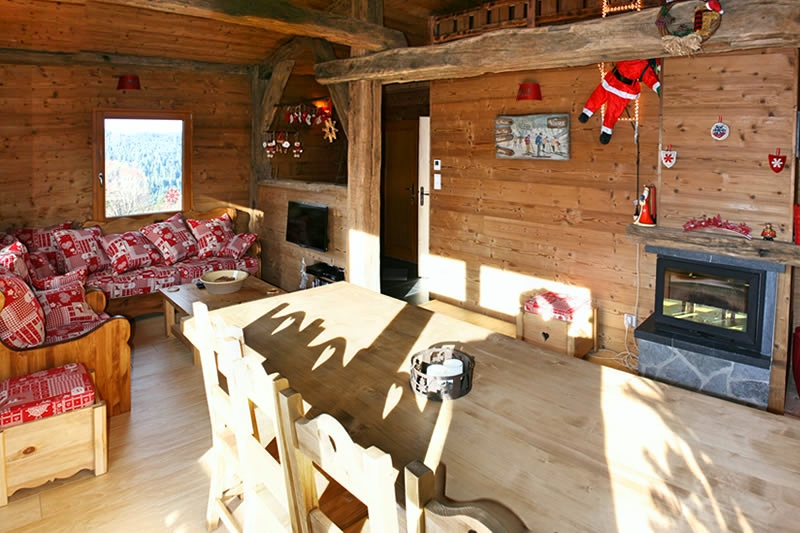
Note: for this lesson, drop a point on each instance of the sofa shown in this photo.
(75, 330)
(63, 288)
(180, 253)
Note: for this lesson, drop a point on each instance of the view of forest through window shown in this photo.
(143, 166)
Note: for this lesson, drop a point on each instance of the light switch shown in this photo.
(437, 182)
(437, 164)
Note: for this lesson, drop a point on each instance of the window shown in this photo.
(142, 162)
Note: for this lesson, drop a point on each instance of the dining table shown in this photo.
(566, 444)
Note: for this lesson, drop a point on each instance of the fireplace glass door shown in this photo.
(710, 301)
(719, 301)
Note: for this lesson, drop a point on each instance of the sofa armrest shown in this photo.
(104, 349)
(2, 301)
(96, 299)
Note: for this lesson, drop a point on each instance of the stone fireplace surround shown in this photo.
(711, 369)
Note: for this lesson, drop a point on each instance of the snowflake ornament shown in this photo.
(172, 195)
(329, 130)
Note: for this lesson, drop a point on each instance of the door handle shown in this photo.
(100, 177)
(422, 195)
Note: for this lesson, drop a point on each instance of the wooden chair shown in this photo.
(425, 513)
(268, 504)
(367, 474)
(209, 337)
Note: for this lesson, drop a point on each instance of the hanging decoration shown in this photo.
(669, 156)
(720, 130)
(686, 38)
(621, 85)
(329, 130)
(645, 214)
(297, 147)
(777, 161)
(717, 223)
(277, 142)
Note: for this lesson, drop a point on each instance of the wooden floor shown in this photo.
(156, 479)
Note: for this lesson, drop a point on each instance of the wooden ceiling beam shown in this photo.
(282, 17)
(745, 25)
(15, 56)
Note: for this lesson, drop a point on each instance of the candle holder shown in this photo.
(440, 387)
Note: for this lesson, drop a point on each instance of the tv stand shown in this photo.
(324, 274)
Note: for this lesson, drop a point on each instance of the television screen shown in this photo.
(307, 225)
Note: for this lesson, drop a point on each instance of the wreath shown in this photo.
(687, 37)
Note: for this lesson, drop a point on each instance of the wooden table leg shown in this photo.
(169, 317)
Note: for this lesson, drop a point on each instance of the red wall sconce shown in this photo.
(529, 91)
(128, 82)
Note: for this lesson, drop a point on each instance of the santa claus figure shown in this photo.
(620, 86)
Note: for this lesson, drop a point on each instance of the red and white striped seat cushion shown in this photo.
(70, 331)
(46, 393)
(140, 281)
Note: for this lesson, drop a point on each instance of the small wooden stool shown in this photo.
(52, 425)
(570, 327)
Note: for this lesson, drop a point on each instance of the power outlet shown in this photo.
(630, 320)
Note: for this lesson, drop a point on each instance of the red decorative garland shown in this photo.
(717, 223)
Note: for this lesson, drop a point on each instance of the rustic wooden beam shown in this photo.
(745, 25)
(364, 170)
(266, 109)
(282, 17)
(340, 92)
(30, 57)
(780, 344)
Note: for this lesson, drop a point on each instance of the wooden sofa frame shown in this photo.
(104, 350)
(142, 304)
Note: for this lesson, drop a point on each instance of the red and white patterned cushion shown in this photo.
(81, 248)
(59, 280)
(21, 319)
(14, 258)
(172, 238)
(212, 235)
(556, 305)
(129, 251)
(46, 393)
(239, 245)
(40, 265)
(191, 269)
(65, 305)
(140, 281)
(42, 240)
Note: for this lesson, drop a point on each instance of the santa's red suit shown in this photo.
(620, 86)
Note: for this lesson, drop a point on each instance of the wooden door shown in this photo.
(400, 153)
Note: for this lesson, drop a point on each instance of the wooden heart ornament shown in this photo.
(777, 161)
(669, 156)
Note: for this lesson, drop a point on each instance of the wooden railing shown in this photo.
(502, 14)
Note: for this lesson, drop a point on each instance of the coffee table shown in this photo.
(178, 301)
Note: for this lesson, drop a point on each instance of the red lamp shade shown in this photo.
(529, 91)
(128, 82)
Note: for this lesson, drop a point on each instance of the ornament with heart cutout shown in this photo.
(669, 156)
(777, 161)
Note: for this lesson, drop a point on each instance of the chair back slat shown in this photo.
(269, 505)
(367, 474)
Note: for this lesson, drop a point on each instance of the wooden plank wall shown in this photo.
(281, 260)
(506, 226)
(46, 134)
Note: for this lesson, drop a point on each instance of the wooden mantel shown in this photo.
(715, 242)
(745, 25)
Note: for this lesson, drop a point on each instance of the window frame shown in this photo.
(99, 151)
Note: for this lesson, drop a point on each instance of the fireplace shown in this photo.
(712, 325)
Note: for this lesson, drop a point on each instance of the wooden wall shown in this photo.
(281, 260)
(45, 129)
(501, 227)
